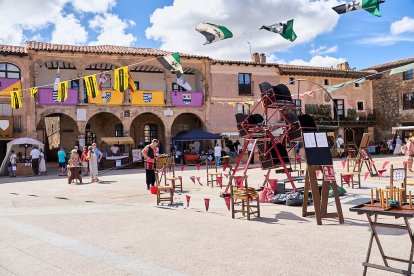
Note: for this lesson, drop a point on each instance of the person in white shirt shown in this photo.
(13, 162)
(340, 146)
(217, 154)
(249, 150)
(398, 144)
(35, 154)
(114, 150)
(196, 146)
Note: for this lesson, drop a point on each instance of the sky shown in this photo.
(324, 37)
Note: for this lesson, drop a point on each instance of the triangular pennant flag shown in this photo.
(198, 166)
(187, 197)
(371, 163)
(380, 172)
(121, 78)
(284, 29)
(182, 167)
(63, 91)
(15, 100)
(172, 63)
(227, 201)
(183, 83)
(207, 203)
(225, 166)
(343, 162)
(213, 32)
(198, 180)
(192, 179)
(131, 83)
(371, 6)
(91, 86)
(298, 159)
(366, 176)
(239, 181)
(346, 178)
(385, 164)
(226, 175)
(220, 181)
(33, 91)
(402, 69)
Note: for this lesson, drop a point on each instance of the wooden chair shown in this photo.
(243, 197)
(354, 177)
(164, 193)
(212, 176)
(175, 181)
(399, 176)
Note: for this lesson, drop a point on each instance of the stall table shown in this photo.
(375, 210)
(23, 169)
(115, 161)
(191, 159)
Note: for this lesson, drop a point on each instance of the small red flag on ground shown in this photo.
(380, 172)
(346, 178)
(224, 166)
(227, 201)
(371, 164)
(220, 181)
(182, 167)
(192, 179)
(198, 166)
(343, 162)
(188, 199)
(385, 164)
(207, 203)
(198, 179)
(366, 176)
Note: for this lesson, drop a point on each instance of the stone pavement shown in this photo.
(48, 227)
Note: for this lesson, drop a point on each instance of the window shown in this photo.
(6, 110)
(325, 82)
(339, 108)
(150, 132)
(137, 84)
(243, 108)
(292, 81)
(408, 101)
(356, 84)
(360, 105)
(74, 84)
(245, 87)
(9, 71)
(90, 137)
(119, 130)
(408, 75)
(176, 87)
(85, 94)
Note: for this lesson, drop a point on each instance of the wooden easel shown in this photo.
(362, 153)
(320, 200)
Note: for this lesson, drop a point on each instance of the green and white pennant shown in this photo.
(172, 63)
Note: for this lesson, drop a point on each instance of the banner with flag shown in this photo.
(9, 85)
(284, 29)
(131, 83)
(371, 6)
(15, 100)
(63, 87)
(33, 91)
(183, 83)
(121, 79)
(55, 86)
(102, 79)
(213, 32)
(172, 63)
(91, 86)
(107, 97)
(148, 98)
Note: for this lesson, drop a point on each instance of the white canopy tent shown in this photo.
(395, 129)
(15, 143)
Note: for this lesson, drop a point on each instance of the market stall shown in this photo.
(186, 140)
(22, 148)
(117, 151)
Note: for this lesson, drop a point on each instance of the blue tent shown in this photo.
(197, 134)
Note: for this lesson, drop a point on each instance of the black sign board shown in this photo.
(317, 148)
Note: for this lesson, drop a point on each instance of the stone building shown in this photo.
(393, 98)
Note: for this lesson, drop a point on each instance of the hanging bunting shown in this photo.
(62, 91)
(371, 6)
(33, 91)
(15, 100)
(172, 63)
(121, 78)
(213, 32)
(366, 176)
(380, 172)
(131, 83)
(284, 29)
(385, 164)
(91, 86)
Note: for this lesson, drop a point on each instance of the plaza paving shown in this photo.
(48, 227)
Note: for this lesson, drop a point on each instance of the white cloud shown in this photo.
(323, 50)
(318, 61)
(68, 30)
(385, 40)
(174, 25)
(112, 30)
(93, 6)
(406, 24)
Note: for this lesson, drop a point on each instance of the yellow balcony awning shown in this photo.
(117, 140)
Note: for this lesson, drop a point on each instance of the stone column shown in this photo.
(168, 86)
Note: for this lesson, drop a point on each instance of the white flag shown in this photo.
(183, 83)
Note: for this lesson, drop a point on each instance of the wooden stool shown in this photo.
(164, 193)
(244, 197)
(212, 176)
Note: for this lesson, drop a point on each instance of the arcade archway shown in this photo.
(148, 126)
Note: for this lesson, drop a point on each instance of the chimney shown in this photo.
(343, 66)
(262, 58)
(255, 57)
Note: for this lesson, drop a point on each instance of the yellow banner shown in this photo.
(131, 84)
(107, 97)
(91, 86)
(121, 79)
(33, 91)
(14, 87)
(148, 98)
(63, 91)
(15, 100)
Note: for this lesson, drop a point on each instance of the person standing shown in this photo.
(42, 164)
(340, 146)
(62, 161)
(217, 154)
(98, 154)
(84, 159)
(13, 163)
(249, 151)
(149, 153)
(197, 146)
(398, 144)
(410, 153)
(93, 164)
(35, 154)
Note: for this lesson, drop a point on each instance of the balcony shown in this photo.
(45, 97)
(323, 116)
(184, 98)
